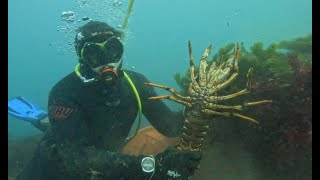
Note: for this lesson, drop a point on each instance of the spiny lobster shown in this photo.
(202, 101)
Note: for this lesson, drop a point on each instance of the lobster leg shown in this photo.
(224, 84)
(171, 90)
(195, 84)
(236, 107)
(257, 103)
(172, 99)
(228, 114)
(221, 98)
(203, 66)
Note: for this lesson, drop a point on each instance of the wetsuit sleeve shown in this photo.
(90, 163)
(166, 121)
(68, 153)
(73, 161)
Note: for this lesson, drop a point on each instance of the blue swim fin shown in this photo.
(26, 110)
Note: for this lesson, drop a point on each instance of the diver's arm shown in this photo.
(91, 163)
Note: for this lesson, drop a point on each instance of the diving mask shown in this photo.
(99, 54)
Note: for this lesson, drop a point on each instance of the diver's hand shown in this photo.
(175, 164)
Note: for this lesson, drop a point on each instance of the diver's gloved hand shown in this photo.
(176, 164)
(24, 109)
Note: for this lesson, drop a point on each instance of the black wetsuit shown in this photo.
(89, 127)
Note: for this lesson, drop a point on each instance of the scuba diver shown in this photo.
(91, 112)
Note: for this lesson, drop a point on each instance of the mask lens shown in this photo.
(113, 50)
(97, 54)
(91, 54)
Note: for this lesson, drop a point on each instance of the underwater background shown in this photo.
(40, 53)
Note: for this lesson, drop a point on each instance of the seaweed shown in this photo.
(183, 82)
(298, 45)
(302, 46)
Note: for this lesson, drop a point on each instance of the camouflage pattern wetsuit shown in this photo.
(89, 126)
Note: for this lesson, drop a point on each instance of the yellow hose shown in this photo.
(139, 104)
(124, 25)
